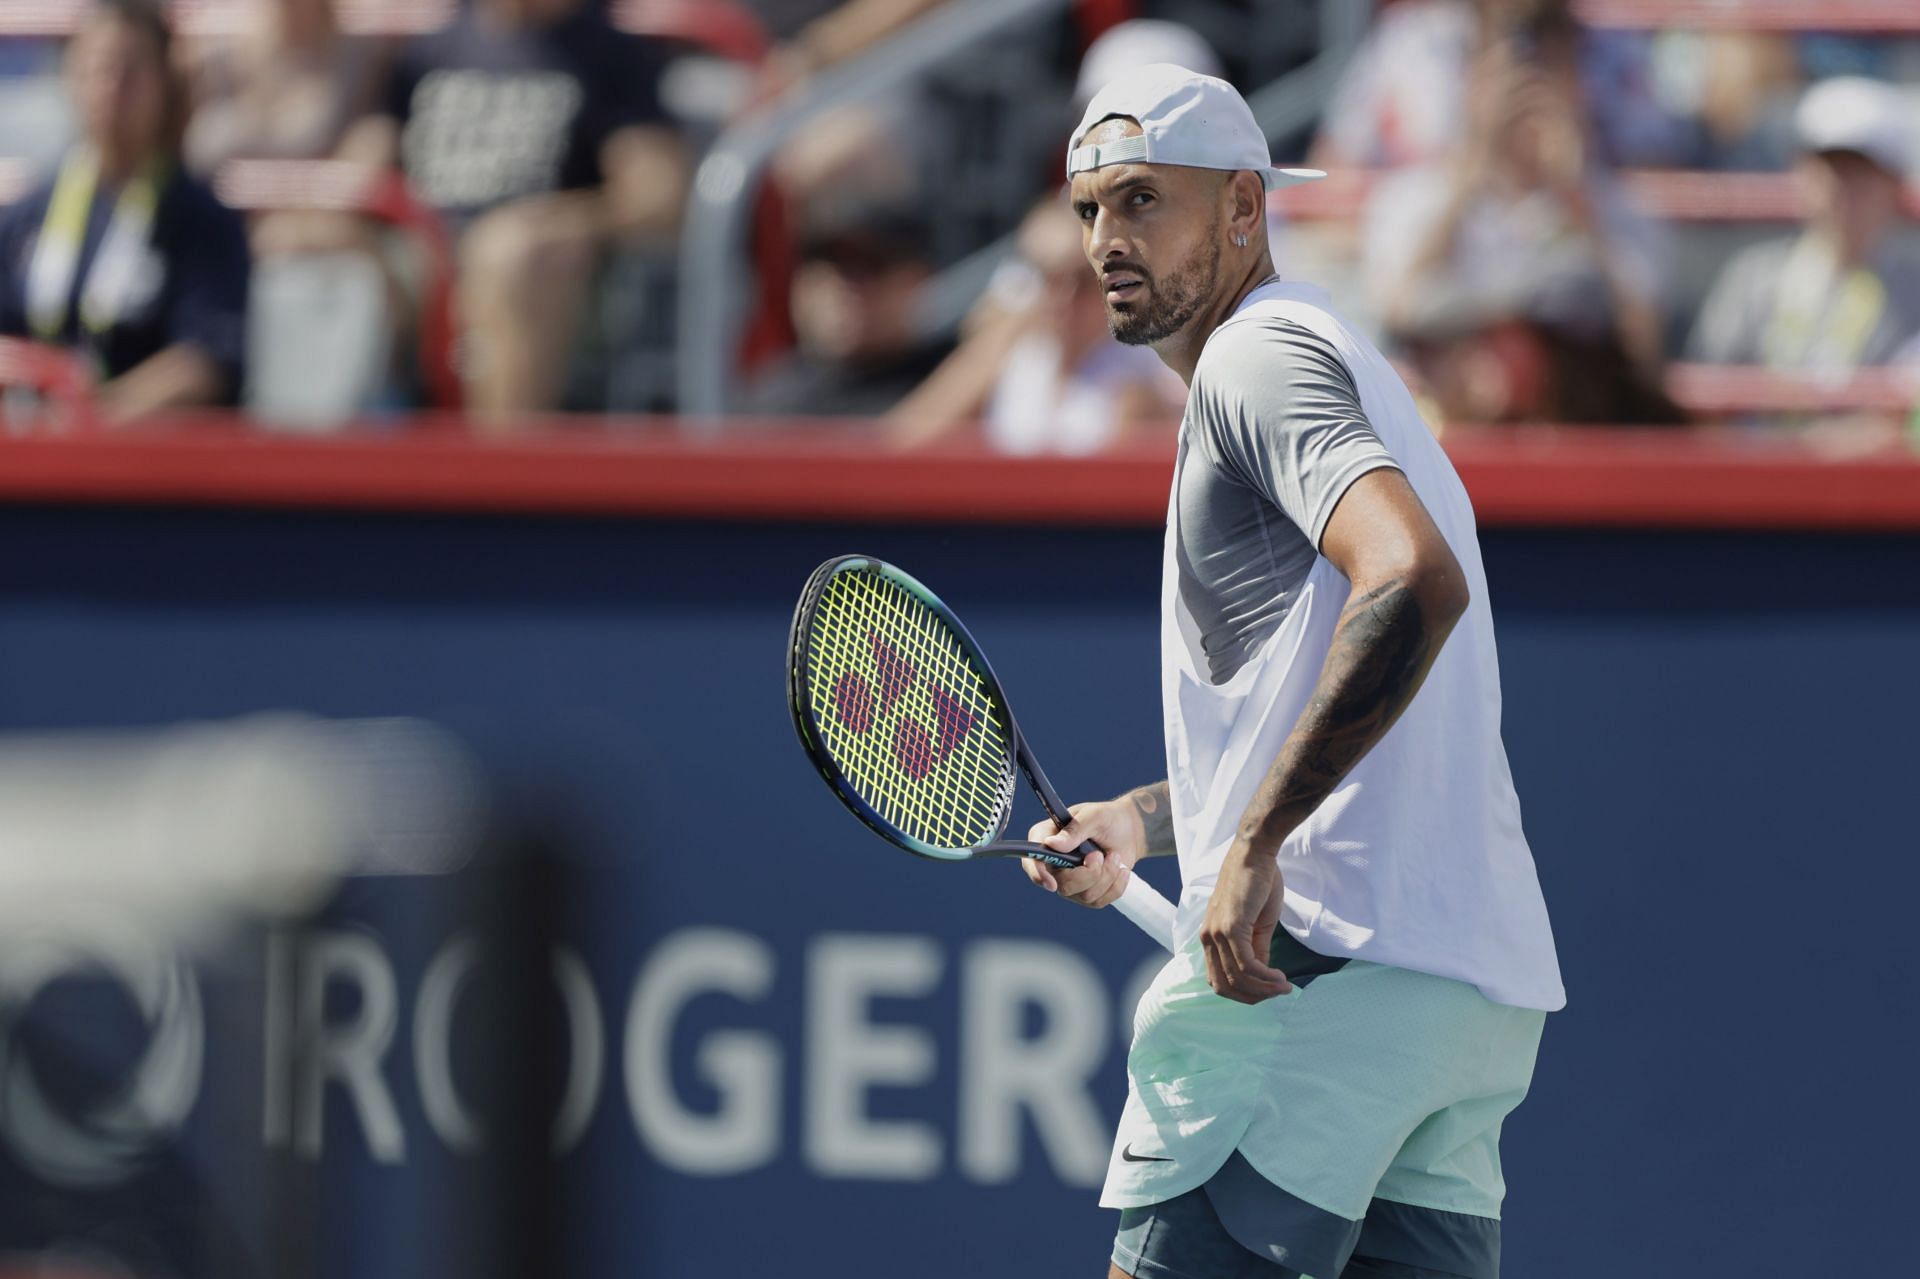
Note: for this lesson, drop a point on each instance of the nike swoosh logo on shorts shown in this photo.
(1128, 1155)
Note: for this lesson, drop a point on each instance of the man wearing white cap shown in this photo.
(1840, 294)
(1363, 968)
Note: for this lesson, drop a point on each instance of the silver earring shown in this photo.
(1240, 241)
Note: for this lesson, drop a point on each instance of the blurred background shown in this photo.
(418, 417)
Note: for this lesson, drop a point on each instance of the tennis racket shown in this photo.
(900, 713)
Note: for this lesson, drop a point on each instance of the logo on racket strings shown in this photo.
(859, 705)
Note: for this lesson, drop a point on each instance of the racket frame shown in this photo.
(800, 702)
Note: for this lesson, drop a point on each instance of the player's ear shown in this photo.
(1246, 199)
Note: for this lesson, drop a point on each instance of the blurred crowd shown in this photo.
(912, 260)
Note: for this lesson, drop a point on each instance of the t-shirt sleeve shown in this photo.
(1279, 409)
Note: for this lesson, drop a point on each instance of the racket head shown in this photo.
(899, 711)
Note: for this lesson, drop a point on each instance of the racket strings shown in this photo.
(946, 806)
(905, 714)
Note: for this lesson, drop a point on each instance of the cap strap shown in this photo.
(1125, 151)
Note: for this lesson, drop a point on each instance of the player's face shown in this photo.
(1152, 233)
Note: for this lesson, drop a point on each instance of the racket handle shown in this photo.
(1142, 903)
(1139, 901)
(1151, 913)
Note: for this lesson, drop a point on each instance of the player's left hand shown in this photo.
(1237, 933)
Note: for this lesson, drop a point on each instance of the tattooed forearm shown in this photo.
(1156, 814)
(1382, 648)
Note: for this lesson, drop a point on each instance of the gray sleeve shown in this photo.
(1278, 408)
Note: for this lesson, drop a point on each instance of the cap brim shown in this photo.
(1277, 178)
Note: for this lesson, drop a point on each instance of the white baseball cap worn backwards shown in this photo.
(1185, 118)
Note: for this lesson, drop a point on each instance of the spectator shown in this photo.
(861, 148)
(1740, 88)
(857, 301)
(123, 256)
(537, 129)
(1523, 252)
(288, 89)
(1038, 365)
(816, 35)
(1403, 100)
(327, 303)
(1139, 42)
(1839, 294)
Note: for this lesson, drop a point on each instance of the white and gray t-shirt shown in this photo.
(1417, 859)
(1274, 434)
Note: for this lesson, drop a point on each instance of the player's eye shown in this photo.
(1085, 209)
(1140, 199)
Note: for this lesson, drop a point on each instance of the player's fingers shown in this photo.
(1067, 838)
(1263, 946)
(1040, 874)
(1044, 831)
(1216, 970)
(1116, 883)
(1230, 981)
(1250, 978)
(1235, 973)
(1083, 883)
(1082, 825)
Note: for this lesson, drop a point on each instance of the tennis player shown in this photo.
(1364, 964)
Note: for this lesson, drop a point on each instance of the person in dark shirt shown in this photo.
(857, 302)
(537, 129)
(122, 256)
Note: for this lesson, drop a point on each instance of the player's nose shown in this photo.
(1104, 241)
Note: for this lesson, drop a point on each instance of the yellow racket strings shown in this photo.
(874, 630)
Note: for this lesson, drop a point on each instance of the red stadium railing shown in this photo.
(1531, 477)
(228, 17)
(1872, 17)
(1723, 390)
(726, 26)
(1674, 195)
(58, 377)
(403, 17)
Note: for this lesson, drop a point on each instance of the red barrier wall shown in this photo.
(1539, 477)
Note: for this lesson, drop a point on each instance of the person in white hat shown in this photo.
(1140, 42)
(1364, 964)
(1841, 293)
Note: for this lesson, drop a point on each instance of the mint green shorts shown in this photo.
(1367, 1101)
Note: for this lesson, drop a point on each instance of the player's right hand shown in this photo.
(1116, 827)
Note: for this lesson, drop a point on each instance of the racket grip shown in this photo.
(1142, 903)
(1152, 913)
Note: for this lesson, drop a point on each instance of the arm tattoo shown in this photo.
(1382, 648)
(1155, 807)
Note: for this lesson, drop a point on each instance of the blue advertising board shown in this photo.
(773, 1041)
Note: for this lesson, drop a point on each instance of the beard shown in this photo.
(1168, 307)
